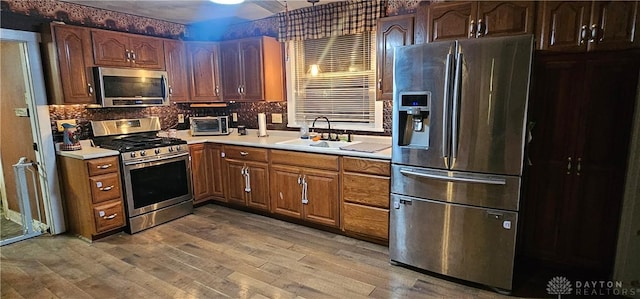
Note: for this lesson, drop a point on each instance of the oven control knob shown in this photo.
(178, 148)
(171, 149)
(157, 151)
(133, 154)
(143, 153)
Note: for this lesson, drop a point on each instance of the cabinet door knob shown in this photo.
(380, 84)
(579, 166)
(569, 165)
(128, 55)
(583, 34)
(595, 34)
(90, 88)
(133, 56)
(472, 29)
(482, 28)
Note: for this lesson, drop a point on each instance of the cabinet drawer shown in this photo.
(370, 166)
(105, 187)
(316, 161)
(108, 216)
(366, 220)
(246, 153)
(366, 189)
(102, 165)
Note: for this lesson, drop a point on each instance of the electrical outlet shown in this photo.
(234, 117)
(64, 121)
(181, 118)
(276, 118)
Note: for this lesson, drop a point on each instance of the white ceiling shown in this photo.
(190, 11)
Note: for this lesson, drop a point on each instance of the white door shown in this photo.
(30, 195)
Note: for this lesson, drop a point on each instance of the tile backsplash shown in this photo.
(247, 115)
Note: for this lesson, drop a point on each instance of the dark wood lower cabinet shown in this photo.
(581, 112)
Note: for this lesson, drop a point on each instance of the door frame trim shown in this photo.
(41, 132)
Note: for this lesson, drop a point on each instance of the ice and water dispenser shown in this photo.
(413, 117)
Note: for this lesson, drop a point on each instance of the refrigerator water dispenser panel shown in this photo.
(414, 118)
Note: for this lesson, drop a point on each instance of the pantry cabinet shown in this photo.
(247, 179)
(461, 20)
(175, 56)
(252, 69)
(579, 26)
(580, 113)
(204, 72)
(115, 49)
(391, 32)
(92, 195)
(365, 197)
(306, 191)
(68, 61)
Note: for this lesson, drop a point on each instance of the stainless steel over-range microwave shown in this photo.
(117, 87)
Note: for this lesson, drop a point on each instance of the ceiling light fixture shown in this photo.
(227, 2)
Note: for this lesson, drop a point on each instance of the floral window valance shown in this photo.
(336, 18)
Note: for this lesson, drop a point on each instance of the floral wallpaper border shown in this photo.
(76, 14)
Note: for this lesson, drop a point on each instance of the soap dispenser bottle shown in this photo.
(304, 130)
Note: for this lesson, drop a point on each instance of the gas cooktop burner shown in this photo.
(134, 143)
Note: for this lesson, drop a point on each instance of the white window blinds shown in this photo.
(335, 77)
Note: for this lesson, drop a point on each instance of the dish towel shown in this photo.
(365, 147)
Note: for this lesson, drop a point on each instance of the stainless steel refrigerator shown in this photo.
(459, 130)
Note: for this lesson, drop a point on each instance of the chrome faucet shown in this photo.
(313, 125)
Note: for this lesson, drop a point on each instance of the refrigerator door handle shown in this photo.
(445, 110)
(456, 106)
(454, 179)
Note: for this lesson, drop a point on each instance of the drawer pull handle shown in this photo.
(244, 154)
(104, 166)
(108, 188)
(110, 216)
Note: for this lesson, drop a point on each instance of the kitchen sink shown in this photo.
(320, 143)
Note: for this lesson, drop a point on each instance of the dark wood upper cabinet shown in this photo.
(67, 53)
(616, 25)
(587, 26)
(204, 80)
(505, 18)
(115, 49)
(251, 61)
(450, 20)
(459, 20)
(252, 69)
(175, 56)
(230, 63)
(391, 32)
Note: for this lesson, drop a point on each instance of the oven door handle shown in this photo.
(156, 159)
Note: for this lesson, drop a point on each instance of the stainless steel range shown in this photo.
(156, 171)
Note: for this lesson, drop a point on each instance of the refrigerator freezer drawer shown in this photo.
(470, 243)
(493, 191)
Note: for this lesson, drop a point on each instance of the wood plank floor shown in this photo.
(215, 253)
